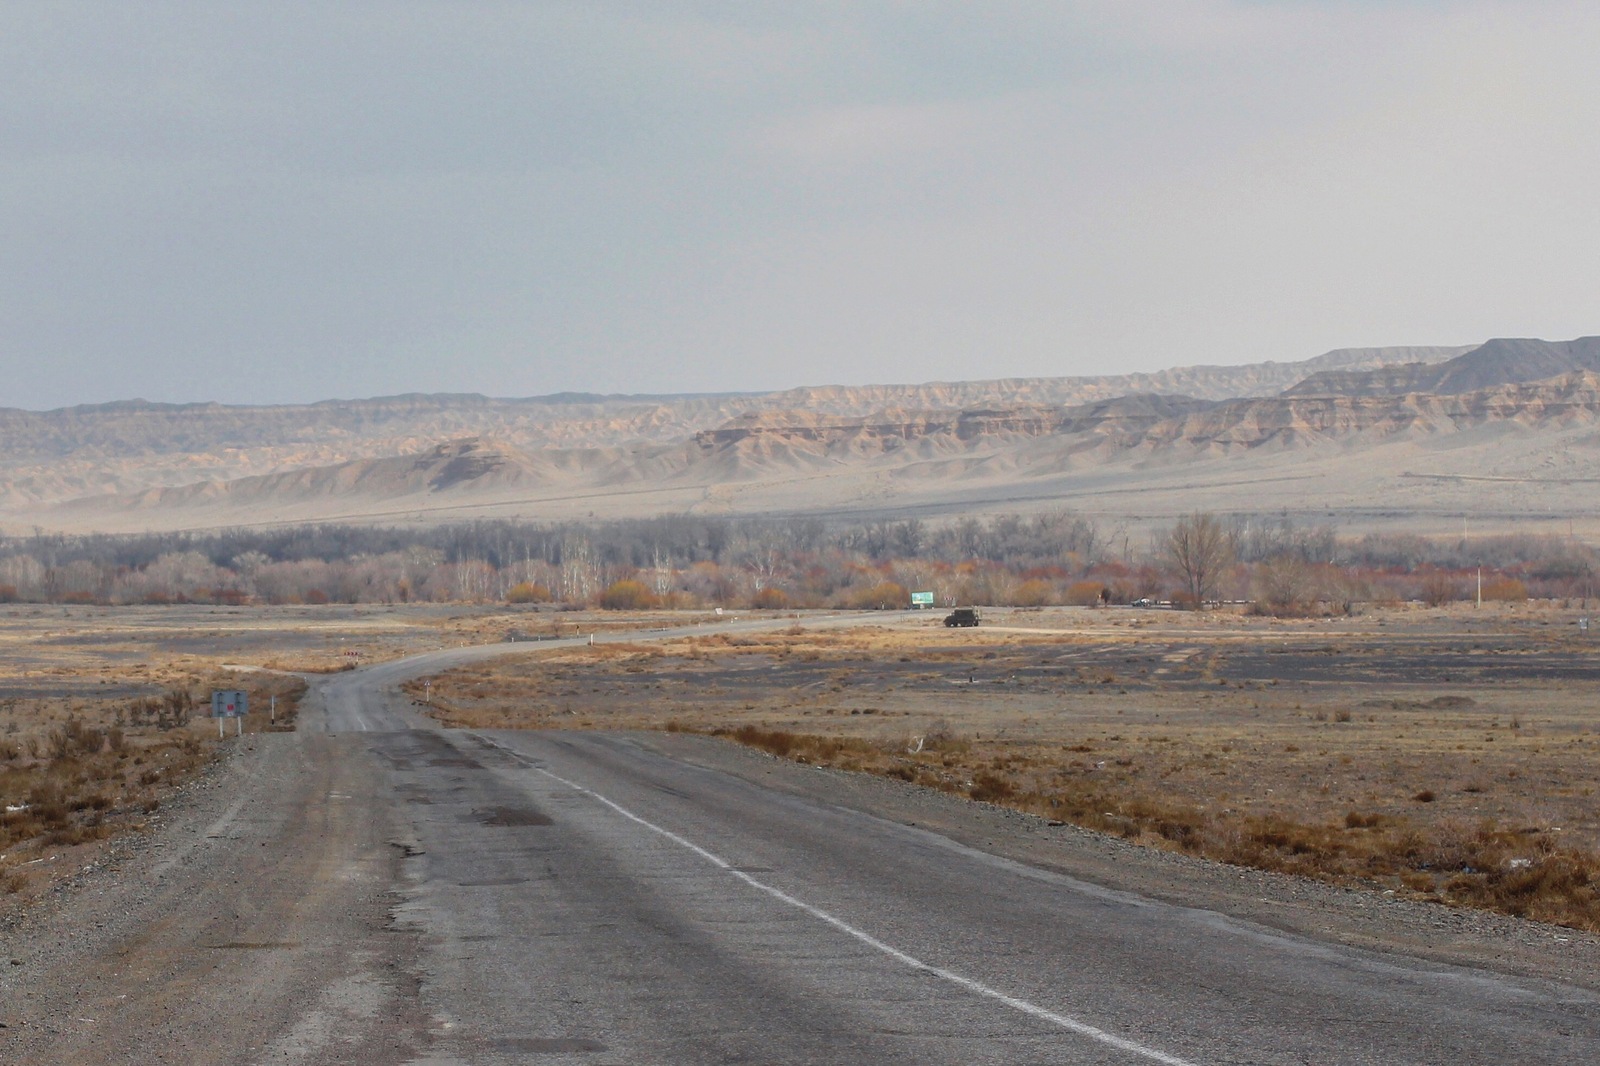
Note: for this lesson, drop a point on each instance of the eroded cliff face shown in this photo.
(1301, 420)
(1123, 415)
(121, 448)
(372, 459)
(919, 450)
(1507, 361)
(1162, 421)
(1386, 381)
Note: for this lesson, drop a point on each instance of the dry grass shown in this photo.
(71, 773)
(1439, 755)
(101, 709)
(97, 726)
(1525, 872)
(74, 771)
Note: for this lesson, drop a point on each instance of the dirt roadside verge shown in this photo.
(1296, 906)
(253, 923)
(1432, 757)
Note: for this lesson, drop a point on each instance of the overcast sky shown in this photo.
(273, 202)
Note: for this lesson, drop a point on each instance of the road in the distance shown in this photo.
(438, 896)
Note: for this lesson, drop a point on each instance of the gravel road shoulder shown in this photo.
(252, 923)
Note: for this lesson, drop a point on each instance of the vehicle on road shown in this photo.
(962, 616)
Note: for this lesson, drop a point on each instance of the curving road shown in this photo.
(376, 890)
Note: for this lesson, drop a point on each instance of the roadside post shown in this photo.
(229, 703)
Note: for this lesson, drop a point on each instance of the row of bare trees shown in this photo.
(1058, 557)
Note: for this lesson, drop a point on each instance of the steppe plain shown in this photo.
(1381, 779)
(103, 710)
(1405, 778)
(1441, 754)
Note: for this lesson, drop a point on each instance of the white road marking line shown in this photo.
(977, 987)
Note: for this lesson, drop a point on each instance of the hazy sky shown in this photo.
(265, 202)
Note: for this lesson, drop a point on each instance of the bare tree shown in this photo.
(580, 578)
(663, 575)
(1285, 583)
(1199, 549)
(761, 552)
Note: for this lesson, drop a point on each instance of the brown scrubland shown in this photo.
(1445, 754)
(104, 713)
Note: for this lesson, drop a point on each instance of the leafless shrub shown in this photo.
(942, 736)
(779, 742)
(990, 787)
(73, 739)
(1438, 589)
(175, 709)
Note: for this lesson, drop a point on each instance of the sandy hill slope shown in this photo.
(1508, 454)
(113, 450)
(1199, 382)
(1498, 362)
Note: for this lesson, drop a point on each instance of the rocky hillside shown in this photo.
(1498, 362)
(109, 449)
(1363, 435)
(802, 461)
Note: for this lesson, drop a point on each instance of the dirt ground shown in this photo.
(1440, 753)
(103, 711)
(1444, 754)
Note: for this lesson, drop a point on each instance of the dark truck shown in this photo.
(962, 616)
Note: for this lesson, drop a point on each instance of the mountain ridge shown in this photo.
(1502, 361)
(1351, 422)
(794, 447)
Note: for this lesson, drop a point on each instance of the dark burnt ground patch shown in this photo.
(1428, 755)
(1408, 663)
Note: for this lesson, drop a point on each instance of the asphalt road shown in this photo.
(377, 890)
